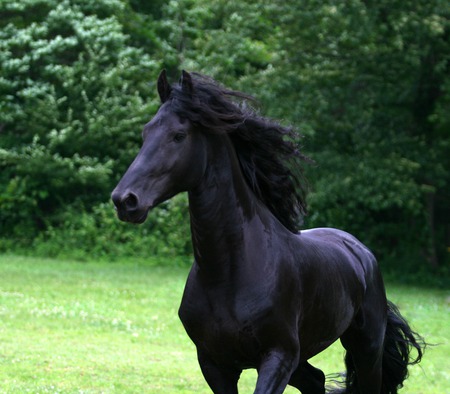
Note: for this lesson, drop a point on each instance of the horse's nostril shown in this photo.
(131, 201)
(125, 201)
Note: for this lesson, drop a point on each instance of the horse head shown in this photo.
(172, 159)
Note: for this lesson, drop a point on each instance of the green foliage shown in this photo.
(366, 82)
(74, 97)
(41, 181)
(97, 233)
(224, 39)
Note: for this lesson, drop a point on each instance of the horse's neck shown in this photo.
(221, 209)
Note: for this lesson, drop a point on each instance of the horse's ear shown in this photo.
(186, 82)
(164, 88)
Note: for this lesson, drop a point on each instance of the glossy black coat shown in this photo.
(260, 295)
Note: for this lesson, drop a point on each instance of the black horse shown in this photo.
(260, 294)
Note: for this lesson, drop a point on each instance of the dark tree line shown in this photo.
(366, 82)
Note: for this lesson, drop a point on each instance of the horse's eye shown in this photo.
(178, 137)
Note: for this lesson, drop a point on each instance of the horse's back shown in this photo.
(333, 236)
(336, 249)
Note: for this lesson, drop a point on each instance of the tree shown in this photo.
(366, 82)
(74, 96)
(227, 40)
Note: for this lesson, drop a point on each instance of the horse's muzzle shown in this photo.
(127, 206)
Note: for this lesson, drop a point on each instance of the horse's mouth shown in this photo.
(136, 217)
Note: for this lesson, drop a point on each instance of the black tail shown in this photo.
(399, 343)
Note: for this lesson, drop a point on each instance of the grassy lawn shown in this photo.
(70, 327)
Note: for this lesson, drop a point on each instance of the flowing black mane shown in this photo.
(269, 156)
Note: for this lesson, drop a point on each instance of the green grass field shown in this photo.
(71, 327)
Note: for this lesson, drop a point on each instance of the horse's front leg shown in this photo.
(222, 380)
(275, 371)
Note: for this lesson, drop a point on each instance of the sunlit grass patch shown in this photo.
(70, 327)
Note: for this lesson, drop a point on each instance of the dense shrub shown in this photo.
(100, 235)
(74, 96)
